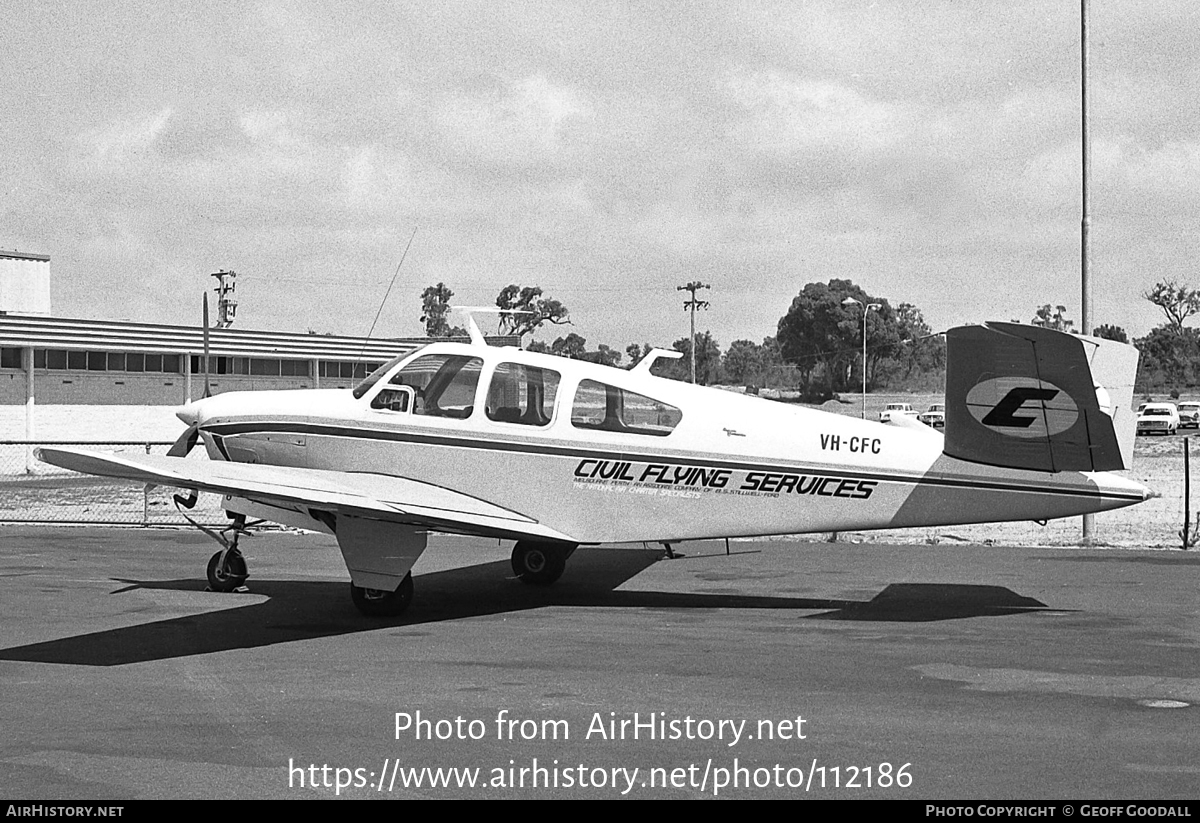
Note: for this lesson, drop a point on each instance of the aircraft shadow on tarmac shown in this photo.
(304, 610)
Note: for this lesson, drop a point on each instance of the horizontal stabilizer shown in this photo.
(1025, 397)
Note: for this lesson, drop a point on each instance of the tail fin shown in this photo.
(1025, 397)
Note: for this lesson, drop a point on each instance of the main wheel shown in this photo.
(538, 564)
(227, 576)
(380, 603)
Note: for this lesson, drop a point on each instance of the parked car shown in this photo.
(892, 410)
(1158, 418)
(1189, 415)
(934, 416)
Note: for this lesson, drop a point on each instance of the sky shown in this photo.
(607, 152)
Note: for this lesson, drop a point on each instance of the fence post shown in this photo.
(146, 498)
(1187, 494)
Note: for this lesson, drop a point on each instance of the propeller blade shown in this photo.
(185, 443)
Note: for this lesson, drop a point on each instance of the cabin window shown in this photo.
(522, 394)
(608, 408)
(444, 384)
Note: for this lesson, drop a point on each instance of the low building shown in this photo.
(60, 361)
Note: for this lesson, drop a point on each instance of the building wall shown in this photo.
(24, 283)
(66, 388)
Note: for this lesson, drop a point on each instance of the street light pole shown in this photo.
(866, 308)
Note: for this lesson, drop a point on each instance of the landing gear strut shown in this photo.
(380, 603)
(227, 569)
(539, 564)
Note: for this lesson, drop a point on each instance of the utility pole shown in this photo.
(226, 302)
(1089, 520)
(692, 305)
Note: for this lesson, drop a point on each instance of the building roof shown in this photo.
(20, 255)
(110, 335)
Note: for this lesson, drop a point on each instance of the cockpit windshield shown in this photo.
(374, 377)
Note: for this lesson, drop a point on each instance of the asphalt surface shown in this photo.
(879, 671)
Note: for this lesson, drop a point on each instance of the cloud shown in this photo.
(788, 115)
(526, 127)
(119, 139)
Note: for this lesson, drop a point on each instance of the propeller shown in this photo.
(186, 442)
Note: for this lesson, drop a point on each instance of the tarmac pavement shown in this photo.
(786, 669)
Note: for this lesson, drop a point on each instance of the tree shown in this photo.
(603, 355)
(435, 307)
(744, 363)
(821, 333)
(1168, 359)
(572, 346)
(1055, 318)
(1111, 333)
(535, 310)
(708, 360)
(1177, 302)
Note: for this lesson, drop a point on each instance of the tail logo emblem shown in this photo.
(1002, 414)
(1022, 407)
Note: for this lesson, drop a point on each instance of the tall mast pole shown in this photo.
(1089, 520)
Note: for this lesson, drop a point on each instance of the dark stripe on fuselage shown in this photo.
(599, 453)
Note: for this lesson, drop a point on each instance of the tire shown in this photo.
(379, 603)
(229, 577)
(538, 564)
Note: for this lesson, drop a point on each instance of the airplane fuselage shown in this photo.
(697, 463)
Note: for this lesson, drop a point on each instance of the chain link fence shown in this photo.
(36, 492)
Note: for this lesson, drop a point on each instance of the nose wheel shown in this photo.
(227, 569)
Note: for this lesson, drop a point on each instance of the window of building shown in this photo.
(293, 368)
(444, 384)
(264, 368)
(608, 408)
(522, 394)
(10, 358)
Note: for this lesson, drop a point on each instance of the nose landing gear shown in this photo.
(227, 570)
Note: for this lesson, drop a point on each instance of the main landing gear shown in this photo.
(380, 603)
(539, 564)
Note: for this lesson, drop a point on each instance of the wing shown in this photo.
(356, 494)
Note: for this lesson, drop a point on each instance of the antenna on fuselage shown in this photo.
(396, 274)
(477, 338)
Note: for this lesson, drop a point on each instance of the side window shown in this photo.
(522, 394)
(607, 408)
(443, 385)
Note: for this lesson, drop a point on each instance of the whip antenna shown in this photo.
(363, 350)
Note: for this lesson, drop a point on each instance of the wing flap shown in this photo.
(374, 496)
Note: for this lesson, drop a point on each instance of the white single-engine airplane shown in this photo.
(555, 453)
